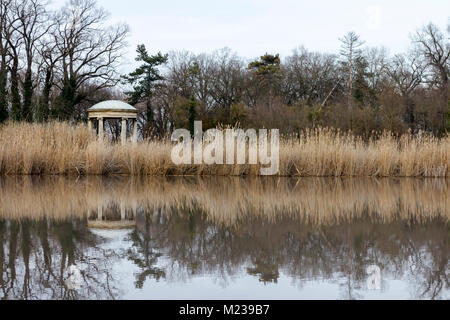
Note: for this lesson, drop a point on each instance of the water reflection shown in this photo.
(128, 236)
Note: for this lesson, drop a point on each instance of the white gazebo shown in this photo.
(113, 109)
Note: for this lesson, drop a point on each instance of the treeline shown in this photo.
(55, 64)
(360, 89)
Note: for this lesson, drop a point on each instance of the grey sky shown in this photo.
(253, 27)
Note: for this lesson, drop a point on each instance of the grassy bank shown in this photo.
(62, 149)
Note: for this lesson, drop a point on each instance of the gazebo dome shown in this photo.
(115, 105)
(113, 109)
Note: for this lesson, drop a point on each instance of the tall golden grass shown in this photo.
(229, 200)
(62, 149)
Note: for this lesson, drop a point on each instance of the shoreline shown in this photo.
(61, 149)
(125, 175)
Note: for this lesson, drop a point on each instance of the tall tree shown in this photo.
(145, 79)
(32, 24)
(4, 6)
(192, 115)
(266, 71)
(435, 48)
(351, 52)
(14, 45)
(90, 52)
(228, 81)
(309, 77)
(406, 71)
(50, 58)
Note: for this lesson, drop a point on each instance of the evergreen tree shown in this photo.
(27, 113)
(16, 104)
(145, 79)
(362, 93)
(67, 100)
(267, 66)
(267, 71)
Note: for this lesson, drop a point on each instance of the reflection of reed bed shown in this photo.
(61, 149)
(231, 200)
(316, 201)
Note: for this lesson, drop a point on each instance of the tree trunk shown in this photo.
(3, 90)
(45, 97)
(27, 113)
(16, 108)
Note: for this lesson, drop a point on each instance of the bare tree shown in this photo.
(435, 48)
(431, 43)
(377, 61)
(350, 51)
(14, 45)
(309, 77)
(215, 80)
(406, 71)
(32, 24)
(4, 8)
(90, 51)
(227, 88)
(50, 57)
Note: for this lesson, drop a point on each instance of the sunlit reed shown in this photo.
(63, 149)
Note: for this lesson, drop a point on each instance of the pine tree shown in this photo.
(266, 70)
(145, 79)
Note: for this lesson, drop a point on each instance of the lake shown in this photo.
(224, 238)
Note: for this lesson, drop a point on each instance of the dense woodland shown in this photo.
(56, 64)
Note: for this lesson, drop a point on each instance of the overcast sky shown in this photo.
(253, 27)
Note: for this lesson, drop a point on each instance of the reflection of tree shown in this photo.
(430, 261)
(35, 255)
(2, 257)
(339, 252)
(143, 255)
(26, 251)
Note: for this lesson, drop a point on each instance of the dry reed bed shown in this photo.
(63, 149)
(227, 201)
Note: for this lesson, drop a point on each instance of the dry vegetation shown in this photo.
(229, 200)
(61, 149)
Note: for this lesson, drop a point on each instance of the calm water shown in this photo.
(224, 238)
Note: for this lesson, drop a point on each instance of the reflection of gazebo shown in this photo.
(114, 109)
(102, 221)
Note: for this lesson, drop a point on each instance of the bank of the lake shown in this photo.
(63, 149)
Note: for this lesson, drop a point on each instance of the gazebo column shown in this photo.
(124, 131)
(90, 125)
(123, 215)
(100, 129)
(135, 135)
(100, 212)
